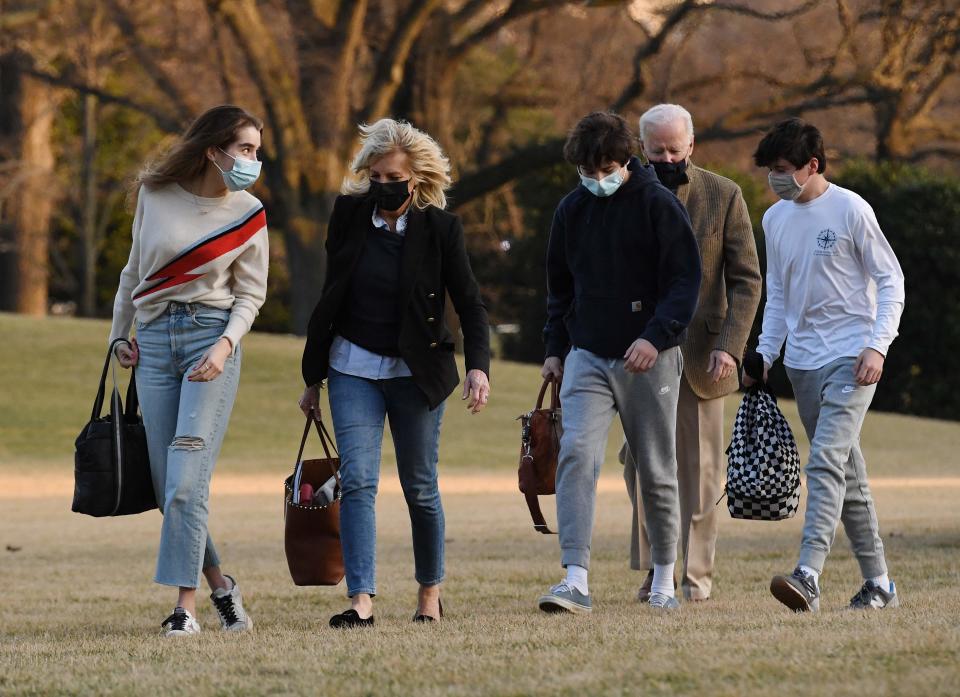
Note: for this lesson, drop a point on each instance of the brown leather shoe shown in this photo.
(643, 595)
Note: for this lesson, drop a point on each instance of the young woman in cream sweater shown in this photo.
(195, 280)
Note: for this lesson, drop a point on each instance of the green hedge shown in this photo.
(918, 211)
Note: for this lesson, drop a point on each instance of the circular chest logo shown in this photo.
(827, 239)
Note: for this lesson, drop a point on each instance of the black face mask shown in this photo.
(671, 174)
(390, 196)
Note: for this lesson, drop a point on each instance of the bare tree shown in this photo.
(27, 196)
(315, 68)
(894, 61)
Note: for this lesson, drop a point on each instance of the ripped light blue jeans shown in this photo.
(185, 423)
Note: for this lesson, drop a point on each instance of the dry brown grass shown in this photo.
(82, 616)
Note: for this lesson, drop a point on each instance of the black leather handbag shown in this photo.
(111, 464)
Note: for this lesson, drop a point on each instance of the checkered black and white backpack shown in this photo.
(763, 465)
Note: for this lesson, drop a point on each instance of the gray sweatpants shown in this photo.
(594, 390)
(832, 407)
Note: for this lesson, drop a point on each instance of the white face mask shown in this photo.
(785, 185)
(606, 186)
(243, 173)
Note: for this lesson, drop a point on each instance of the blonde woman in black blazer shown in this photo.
(377, 336)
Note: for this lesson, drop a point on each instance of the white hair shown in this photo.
(663, 114)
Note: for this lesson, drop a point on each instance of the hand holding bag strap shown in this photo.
(102, 390)
(325, 441)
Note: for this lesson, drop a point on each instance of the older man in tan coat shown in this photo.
(729, 295)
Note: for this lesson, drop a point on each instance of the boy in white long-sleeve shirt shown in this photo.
(835, 295)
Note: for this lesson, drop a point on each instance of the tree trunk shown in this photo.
(432, 83)
(31, 206)
(88, 299)
(301, 214)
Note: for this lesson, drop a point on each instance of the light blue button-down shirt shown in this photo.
(348, 358)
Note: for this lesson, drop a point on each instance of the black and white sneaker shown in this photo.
(798, 591)
(229, 607)
(180, 623)
(872, 597)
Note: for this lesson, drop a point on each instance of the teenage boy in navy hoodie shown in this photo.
(835, 295)
(623, 275)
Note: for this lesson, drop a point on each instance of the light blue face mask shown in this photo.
(243, 173)
(607, 186)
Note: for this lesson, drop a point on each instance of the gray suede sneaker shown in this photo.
(563, 598)
(661, 601)
(873, 597)
(798, 591)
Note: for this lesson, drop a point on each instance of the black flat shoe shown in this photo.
(417, 617)
(350, 618)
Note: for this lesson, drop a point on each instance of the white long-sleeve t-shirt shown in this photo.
(834, 285)
(190, 249)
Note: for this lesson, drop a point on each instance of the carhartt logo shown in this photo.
(664, 389)
(847, 389)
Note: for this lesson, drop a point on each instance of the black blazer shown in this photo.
(433, 262)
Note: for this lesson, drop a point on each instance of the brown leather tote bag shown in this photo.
(539, 450)
(312, 533)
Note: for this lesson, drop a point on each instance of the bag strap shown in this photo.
(102, 389)
(325, 440)
(133, 402)
(539, 522)
(554, 393)
(762, 386)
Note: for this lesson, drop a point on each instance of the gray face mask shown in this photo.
(784, 185)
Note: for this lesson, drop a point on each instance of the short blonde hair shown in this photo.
(431, 168)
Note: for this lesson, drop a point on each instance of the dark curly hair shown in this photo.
(597, 138)
(796, 141)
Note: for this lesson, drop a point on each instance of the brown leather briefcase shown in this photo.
(539, 450)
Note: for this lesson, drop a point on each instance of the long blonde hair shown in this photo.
(431, 168)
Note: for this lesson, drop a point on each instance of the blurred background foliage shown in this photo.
(91, 90)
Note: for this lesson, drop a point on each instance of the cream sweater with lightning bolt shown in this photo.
(189, 249)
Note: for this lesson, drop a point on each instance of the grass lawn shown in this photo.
(80, 614)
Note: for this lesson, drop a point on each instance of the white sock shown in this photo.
(882, 581)
(577, 578)
(813, 573)
(662, 579)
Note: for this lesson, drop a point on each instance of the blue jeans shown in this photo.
(358, 407)
(185, 423)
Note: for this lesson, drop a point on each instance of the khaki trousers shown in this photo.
(700, 474)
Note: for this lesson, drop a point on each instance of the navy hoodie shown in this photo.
(620, 268)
